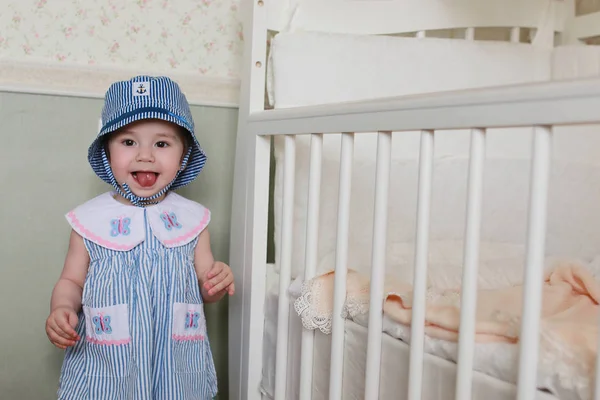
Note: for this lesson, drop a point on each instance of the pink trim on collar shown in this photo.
(94, 238)
(191, 233)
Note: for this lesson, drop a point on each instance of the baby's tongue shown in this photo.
(146, 179)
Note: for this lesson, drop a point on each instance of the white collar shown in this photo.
(175, 221)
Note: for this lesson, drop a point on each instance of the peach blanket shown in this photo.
(568, 325)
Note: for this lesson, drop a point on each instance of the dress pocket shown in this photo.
(108, 341)
(189, 334)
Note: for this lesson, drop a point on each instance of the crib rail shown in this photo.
(547, 103)
(394, 16)
(541, 106)
(584, 27)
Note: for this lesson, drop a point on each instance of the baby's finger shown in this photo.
(61, 346)
(58, 340)
(63, 343)
(53, 327)
(231, 289)
(214, 278)
(61, 325)
(219, 278)
(66, 328)
(216, 269)
(226, 281)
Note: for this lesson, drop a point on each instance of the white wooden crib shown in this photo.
(363, 132)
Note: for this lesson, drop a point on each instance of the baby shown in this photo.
(128, 307)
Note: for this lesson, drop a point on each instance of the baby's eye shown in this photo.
(128, 142)
(162, 144)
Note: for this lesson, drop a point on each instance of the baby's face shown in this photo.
(146, 155)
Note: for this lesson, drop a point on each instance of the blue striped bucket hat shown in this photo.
(146, 97)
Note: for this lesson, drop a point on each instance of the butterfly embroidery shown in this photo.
(191, 320)
(120, 226)
(170, 220)
(102, 324)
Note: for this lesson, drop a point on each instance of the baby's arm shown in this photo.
(66, 296)
(215, 278)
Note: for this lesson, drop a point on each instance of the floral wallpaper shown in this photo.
(192, 36)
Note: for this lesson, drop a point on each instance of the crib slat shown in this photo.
(468, 301)
(470, 34)
(382, 183)
(312, 232)
(536, 237)
(420, 268)
(341, 268)
(285, 267)
(597, 377)
(515, 34)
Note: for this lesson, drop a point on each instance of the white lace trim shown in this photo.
(315, 315)
(309, 312)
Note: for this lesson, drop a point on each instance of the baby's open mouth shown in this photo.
(145, 178)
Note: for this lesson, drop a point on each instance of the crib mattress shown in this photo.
(439, 374)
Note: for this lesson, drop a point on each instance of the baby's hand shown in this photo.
(60, 327)
(219, 278)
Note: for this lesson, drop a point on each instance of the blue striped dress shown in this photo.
(142, 326)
